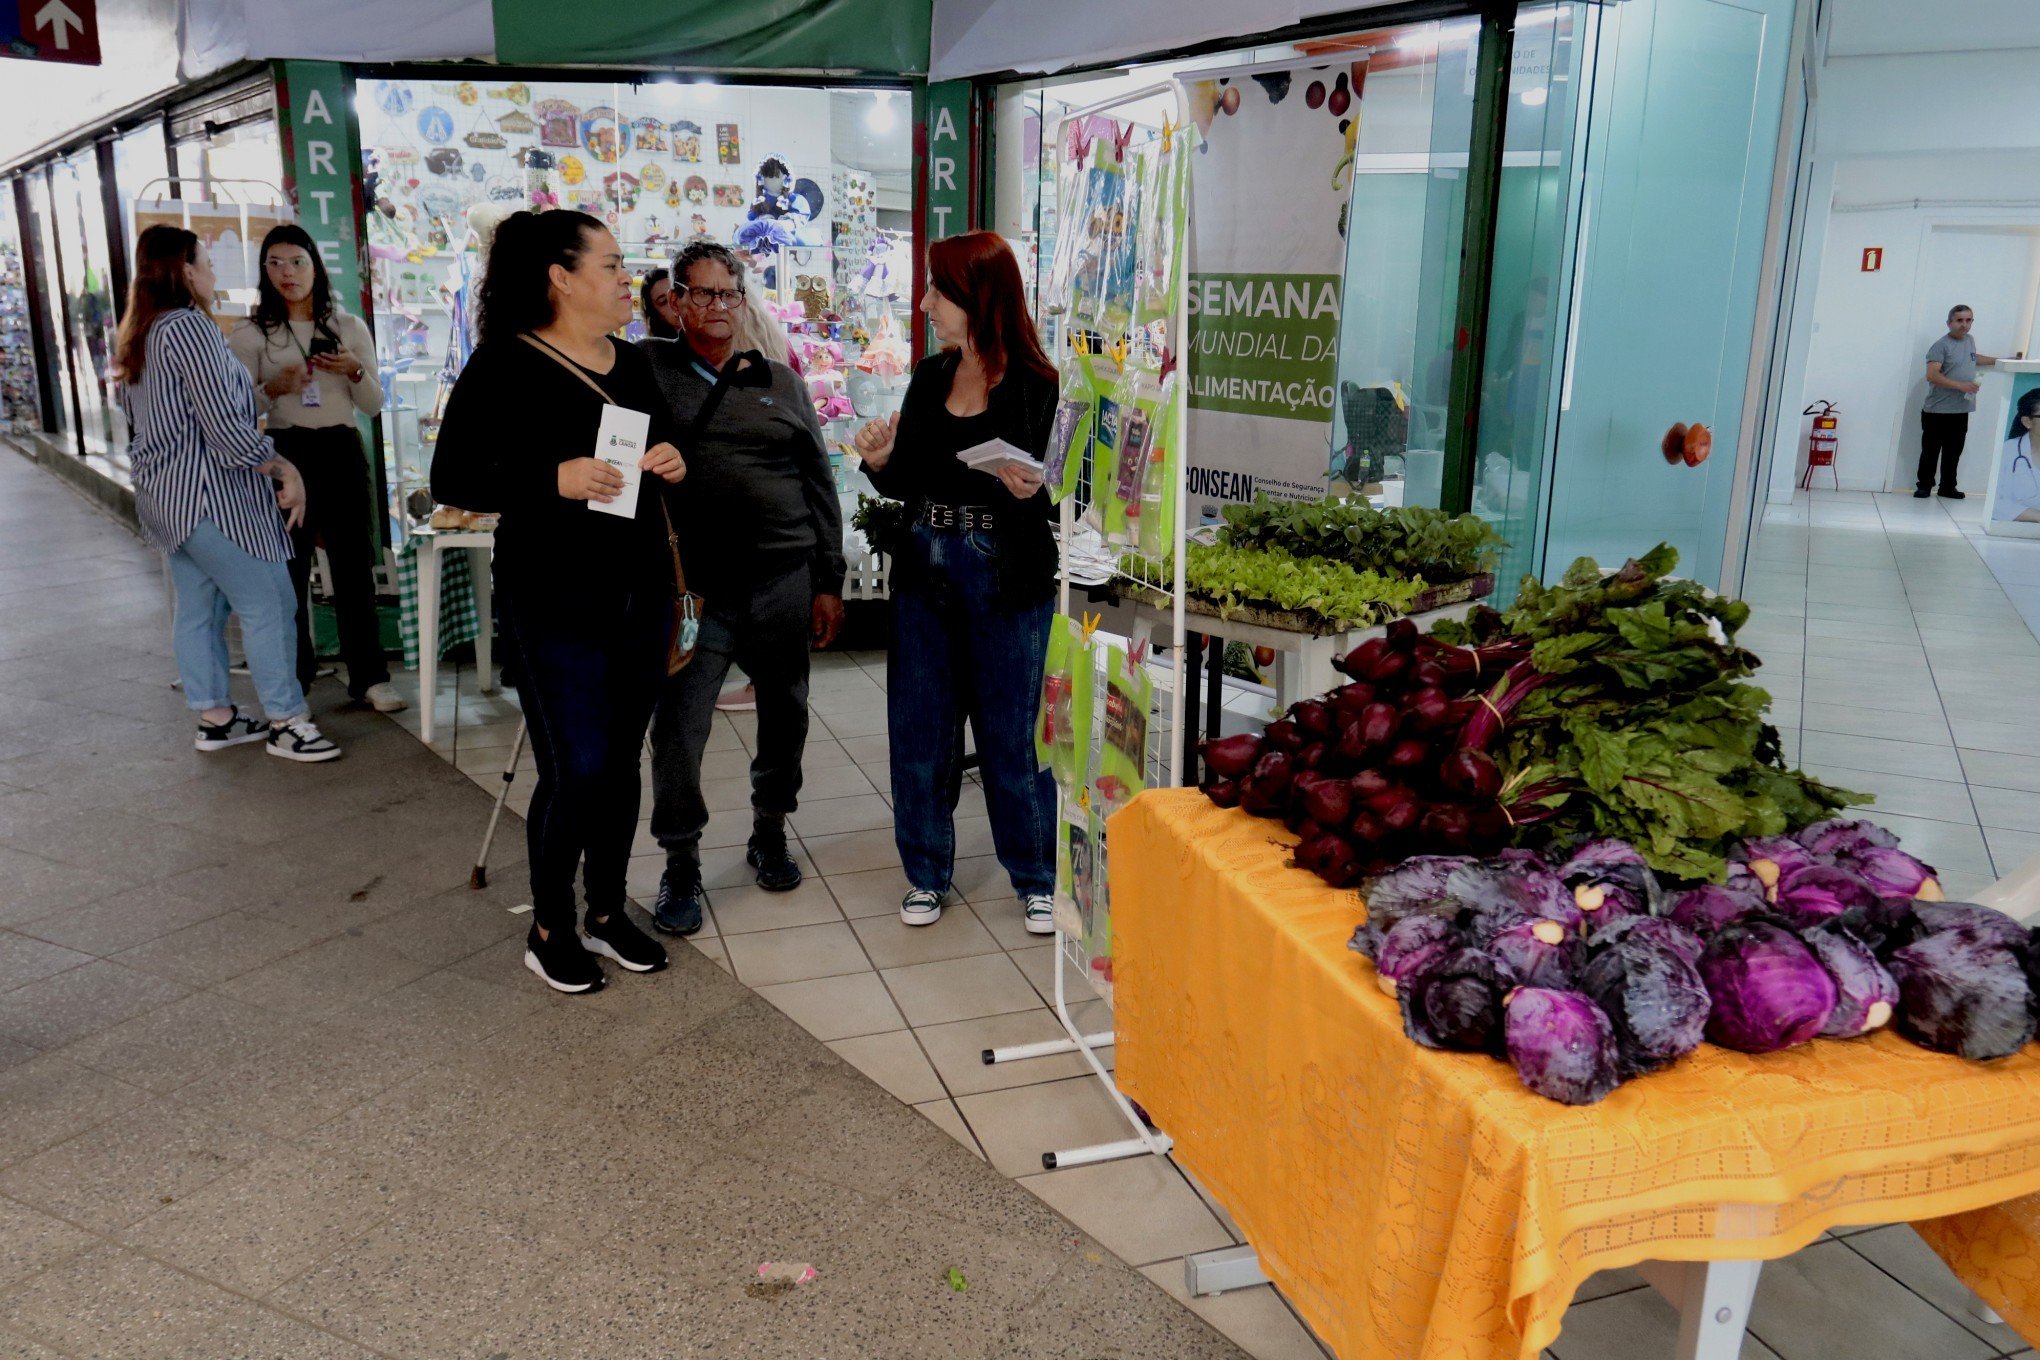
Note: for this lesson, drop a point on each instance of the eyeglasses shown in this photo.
(719, 299)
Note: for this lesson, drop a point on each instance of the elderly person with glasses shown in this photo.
(761, 538)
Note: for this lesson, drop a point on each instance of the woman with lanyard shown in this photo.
(585, 592)
(314, 371)
(974, 584)
(203, 475)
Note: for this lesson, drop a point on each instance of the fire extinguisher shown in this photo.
(1822, 442)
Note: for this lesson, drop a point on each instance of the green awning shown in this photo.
(880, 37)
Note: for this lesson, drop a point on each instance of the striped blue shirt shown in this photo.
(196, 445)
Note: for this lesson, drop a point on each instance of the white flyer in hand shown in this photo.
(994, 454)
(620, 442)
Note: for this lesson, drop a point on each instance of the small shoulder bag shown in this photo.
(686, 604)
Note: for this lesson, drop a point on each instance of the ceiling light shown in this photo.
(880, 116)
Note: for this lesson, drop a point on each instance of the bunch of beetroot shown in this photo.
(1394, 763)
(1582, 972)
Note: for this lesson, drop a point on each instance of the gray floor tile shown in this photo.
(1631, 1326)
(1817, 1304)
(98, 995)
(1899, 1253)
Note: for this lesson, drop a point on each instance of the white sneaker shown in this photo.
(384, 698)
(921, 908)
(300, 739)
(1040, 909)
(743, 700)
(237, 730)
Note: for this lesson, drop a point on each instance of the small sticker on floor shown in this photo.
(520, 910)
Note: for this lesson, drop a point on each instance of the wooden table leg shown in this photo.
(428, 637)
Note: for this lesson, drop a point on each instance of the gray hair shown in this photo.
(1958, 307)
(711, 252)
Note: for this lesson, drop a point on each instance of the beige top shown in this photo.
(266, 355)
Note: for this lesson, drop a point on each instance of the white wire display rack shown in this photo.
(1164, 753)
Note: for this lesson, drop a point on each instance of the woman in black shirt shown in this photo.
(973, 586)
(586, 597)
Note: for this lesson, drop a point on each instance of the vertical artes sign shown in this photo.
(322, 163)
(50, 30)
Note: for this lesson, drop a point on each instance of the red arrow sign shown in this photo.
(57, 30)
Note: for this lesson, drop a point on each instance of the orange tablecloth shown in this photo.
(1423, 1205)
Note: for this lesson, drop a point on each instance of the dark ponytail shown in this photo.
(516, 291)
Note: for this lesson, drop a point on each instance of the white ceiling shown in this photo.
(1873, 28)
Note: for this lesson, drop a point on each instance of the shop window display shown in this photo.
(39, 254)
(794, 178)
(20, 406)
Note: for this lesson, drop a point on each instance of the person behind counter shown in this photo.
(314, 371)
(202, 474)
(974, 584)
(586, 597)
(762, 540)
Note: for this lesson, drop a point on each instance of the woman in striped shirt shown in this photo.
(203, 474)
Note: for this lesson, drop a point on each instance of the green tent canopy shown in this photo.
(880, 37)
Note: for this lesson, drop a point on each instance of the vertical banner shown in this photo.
(1268, 250)
(322, 169)
(946, 165)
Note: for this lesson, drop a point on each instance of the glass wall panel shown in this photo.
(80, 218)
(140, 170)
(39, 248)
(1534, 220)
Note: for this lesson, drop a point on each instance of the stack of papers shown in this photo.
(1089, 560)
(994, 454)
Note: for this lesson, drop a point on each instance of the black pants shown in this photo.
(337, 511)
(589, 686)
(764, 629)
(1942, 434)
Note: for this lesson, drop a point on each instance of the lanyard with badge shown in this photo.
(308, 394)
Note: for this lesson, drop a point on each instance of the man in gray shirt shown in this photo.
(1951, 395)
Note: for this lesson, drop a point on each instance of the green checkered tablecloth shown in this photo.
(457, 621)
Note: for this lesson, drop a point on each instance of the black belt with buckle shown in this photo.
(958, 518)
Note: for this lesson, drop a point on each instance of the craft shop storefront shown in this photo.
(1480, 256)
(812, 183)
(790, 136)
(68, 219)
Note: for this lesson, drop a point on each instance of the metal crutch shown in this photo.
(480, 877)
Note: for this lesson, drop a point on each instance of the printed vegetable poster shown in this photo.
(1271, 197)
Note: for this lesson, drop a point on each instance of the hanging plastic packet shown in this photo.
(1154, 514)
(1116, 487)
(1073, 877)
(1072, 179)
(1120, 244)
(1069, 436)
(1097, 935)
(1062, 724)
(1122, 756)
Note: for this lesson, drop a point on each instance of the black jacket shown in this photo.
(923, 470)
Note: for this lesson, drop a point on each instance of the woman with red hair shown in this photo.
(974, 584)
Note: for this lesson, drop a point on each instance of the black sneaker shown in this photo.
(777, 869)
(618, 938)
(562, 962)
(678, 910)
(1920, 493)
(237, 730)
(300, 740)
(1954, 496)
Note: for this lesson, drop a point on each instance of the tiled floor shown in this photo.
(1898, 665)
(274, 1084)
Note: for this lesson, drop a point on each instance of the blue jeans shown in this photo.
(215, 578)
(957, 655)
(589, 682)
